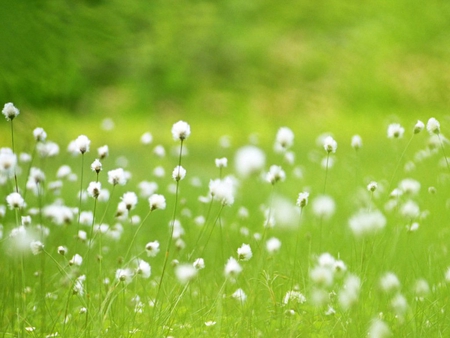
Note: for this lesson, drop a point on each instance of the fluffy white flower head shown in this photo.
(117, 176)
(232, 268)
(82, 144)
(152, 248)
(249, 160)
(273, 245)
(15, 201)
(181, 131)
(356, 142)
(275, 174)
(284, 139)
(395, 130)
(185, 273)
(433, 126)
(10, 111)
(302, 199)
(178, 173)
(244, 252)
(330, 145)
(221, 162)
(39, 134)
(418, 127)
(157, 201)
(223, 190)
(96, 166)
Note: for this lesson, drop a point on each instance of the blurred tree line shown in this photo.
(348, 55)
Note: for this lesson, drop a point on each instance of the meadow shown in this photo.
(287, 231)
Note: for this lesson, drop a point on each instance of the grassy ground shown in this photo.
(38, 291)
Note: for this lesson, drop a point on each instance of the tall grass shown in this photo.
(239, 257)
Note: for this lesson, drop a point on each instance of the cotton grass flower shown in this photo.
(146, 138)
(39, 134)
(94, 189)
(143, 269)
(103, 152)
(96, 166)
(302, 199)
(124, 275)
(379, 329)
(185, 273)
(433, 126)
(152, 248)
(323, 206)
(418, 127)
(330, 145)
(117, 176)
(389, 282)
(157, 201)
(10, 111)
(130, 200)
(356, 142)
(76, 260)
(395, 130)
(367, 222)
(82, 144)
(181, 130)
(249, 160)
(223, 190)
(349, 294)
(15, 201)
(284, 139)
(221, 162)
(199, 264)
(244, 252)
(36, 247)
(294, 296)
(273, 245)
(275, 174)
(232, 268)
(239, 295)
(179, 173)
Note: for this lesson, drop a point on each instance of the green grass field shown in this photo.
(359, 263)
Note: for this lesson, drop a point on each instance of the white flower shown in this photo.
(379, 329)
(130, 199)
(152, 248)
(330, 145)
(185, 273)
(143, 269)
(302, 199)
(395, 130)
(356, 142)
(223, 190)
(199, 264)
(239, 295)
(232, 268)
(94, 189)
(273, 245)
(117, 176)
(124, 275)
(244, 252)
(39, 134)
(294, 296)
(103, 151)
(146, 138)
(146, 189)
(322, 276)
(409, 186)
(418, 127)
(221, 162)
(284, 138)
(78, 289)
(62, 250)
(157, 201)
(8, 161)
(159, 151)
(181, 131)
(36, 247)
(349, 294)
(82, 143)
(15, 201)
(10, 111)
(64, 171)
(178, 173)
(76, 260)
(433, 126)
(96, 166)
(323, 206)
(249, 160)
(389, 282)
(275, 174)
(372, 186)
(367, 222)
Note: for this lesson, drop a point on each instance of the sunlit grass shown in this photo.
(304, 270)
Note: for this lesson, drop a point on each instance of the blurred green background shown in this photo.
(237, 63)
